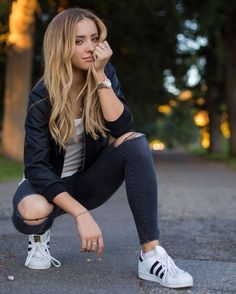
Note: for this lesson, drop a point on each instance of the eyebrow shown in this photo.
(93, 35)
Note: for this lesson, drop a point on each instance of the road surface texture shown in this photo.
(197, 219)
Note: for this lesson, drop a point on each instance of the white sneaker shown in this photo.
(39, 256)
(161, 268)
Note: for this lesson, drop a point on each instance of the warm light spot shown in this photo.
(185, 95)
(201, 101)
(204, 88)
(205, 139)
(201, 119)
(21, 19)
(164, 109)
(225, 129)
(60, 9)
(173, 103)
(3, 37)
(157, 145)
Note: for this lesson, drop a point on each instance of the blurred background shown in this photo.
(176, 61)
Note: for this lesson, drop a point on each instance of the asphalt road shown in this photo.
(197, 217)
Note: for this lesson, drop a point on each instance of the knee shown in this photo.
(34, 209)
(125, 137)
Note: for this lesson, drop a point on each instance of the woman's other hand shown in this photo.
(102, 53)
(90, 234)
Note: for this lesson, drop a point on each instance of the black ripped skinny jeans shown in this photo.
(130, 161)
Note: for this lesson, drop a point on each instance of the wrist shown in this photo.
(79, 214)
(101, 76)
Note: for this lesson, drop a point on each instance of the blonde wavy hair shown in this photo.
(58, 48)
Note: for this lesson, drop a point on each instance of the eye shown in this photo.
(95, 39)
(79, 42)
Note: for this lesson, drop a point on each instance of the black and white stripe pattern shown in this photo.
(140, 258)
(157, 270)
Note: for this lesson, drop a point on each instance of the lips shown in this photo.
(89, 58)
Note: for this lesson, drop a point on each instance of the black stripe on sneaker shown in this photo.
(153, 266)
(161, 275)
(140, 258)
(158, 270)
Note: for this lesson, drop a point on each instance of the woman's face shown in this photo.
(86, 40)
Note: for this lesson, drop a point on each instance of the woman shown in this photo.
(79, 148)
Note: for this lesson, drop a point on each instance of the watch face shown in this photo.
(107, 83)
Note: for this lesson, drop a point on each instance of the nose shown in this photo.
(90, 46)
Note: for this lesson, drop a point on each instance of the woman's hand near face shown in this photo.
(90, 234)
(102, 53)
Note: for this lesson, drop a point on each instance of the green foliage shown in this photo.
(177, 128)
(222, 156)
(10, 169)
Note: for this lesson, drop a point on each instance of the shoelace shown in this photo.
(169, 266)
(43, 248)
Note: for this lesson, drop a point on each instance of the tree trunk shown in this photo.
(214, 118)
(231, 94)
(229, 35)
(18, 81)
(213, 79)
(18, 76)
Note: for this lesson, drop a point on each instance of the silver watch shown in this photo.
(104, 84)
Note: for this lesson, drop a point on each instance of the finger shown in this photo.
(99, 50)
(94, 245)
(89, 245)
(101, 45)
(107, 44)
(95, 55)
(100, 55)
(100, 246)
(83, 245)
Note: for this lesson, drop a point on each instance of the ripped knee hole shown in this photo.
(35, 219)
(129, 137)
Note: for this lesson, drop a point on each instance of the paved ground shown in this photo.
(197, 213)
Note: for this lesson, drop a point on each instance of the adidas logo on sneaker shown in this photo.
(159, 267)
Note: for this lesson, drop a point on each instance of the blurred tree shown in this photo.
(18, 75)
(5, 6)
(201, 20)
(143, 37)
(216, 21)
(177, 128)
(229, 36)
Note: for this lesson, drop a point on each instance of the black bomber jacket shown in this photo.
(43, 159)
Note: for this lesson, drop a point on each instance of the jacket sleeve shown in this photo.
(37, 149)
(125, 122)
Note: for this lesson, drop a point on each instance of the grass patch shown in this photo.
(10, 169)
(232, 163)
(220, 156)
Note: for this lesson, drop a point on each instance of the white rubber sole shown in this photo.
(150, 277)
(38, 267)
